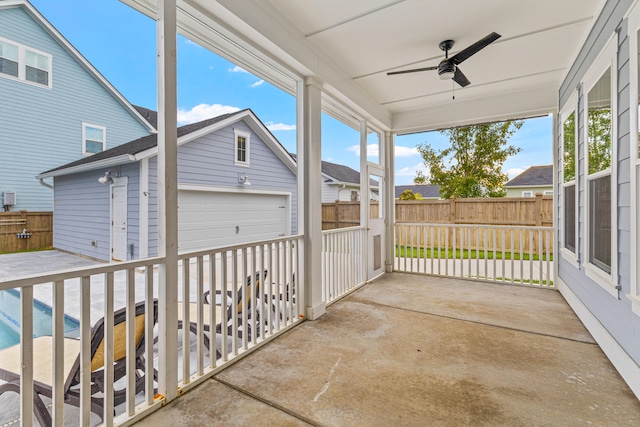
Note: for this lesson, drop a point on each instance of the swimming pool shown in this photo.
(42, 314)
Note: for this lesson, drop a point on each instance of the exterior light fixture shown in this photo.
(243, 178)
(106, 179)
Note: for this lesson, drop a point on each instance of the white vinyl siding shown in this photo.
(94, 138)
(24, 63)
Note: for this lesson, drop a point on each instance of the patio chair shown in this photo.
(43, 365)
(228, 311)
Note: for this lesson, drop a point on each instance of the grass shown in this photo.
(402, 251)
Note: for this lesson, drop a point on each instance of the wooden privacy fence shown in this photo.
(521, 211)
(25, 231)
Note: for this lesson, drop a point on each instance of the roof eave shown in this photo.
(105, 163)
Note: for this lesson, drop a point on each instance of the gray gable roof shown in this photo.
(535, 176)
(150, 115)
(427, 191)
(141, 144)
(341, 173)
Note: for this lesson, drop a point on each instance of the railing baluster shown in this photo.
(224, 306)
(521, 257)
(108, 349)
(213, 341)
(549, 239)
(246, 296)
(540, 256)
(454, 253)
(148, 334)
(26, 355)
(200, 315)
(502, 253)
(130, 292)
(85, 351)
(58, 353)
(186, 336)
(234, 301)
(512, 255)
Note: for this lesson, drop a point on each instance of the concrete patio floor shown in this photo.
(415, 350)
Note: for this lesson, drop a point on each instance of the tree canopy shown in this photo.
(472, 165)
(410, 195)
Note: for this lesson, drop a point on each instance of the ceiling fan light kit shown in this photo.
(448, 67)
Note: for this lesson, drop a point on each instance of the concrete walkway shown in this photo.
(413, 350)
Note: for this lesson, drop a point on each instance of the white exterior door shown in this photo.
(119, 219)
(208, 219)
(376, 223)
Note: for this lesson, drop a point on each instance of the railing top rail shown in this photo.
(343, 229)
(74, 273)
(510, 227)
(218, 249)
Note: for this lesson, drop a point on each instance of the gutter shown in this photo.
(105, 163)
(44, 184)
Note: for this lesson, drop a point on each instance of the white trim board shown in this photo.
(625, 365)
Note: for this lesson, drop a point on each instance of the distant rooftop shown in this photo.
(427, 191)
(535, 176)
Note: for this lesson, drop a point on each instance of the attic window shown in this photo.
(242, 147)
(93, 138)
(24, 63)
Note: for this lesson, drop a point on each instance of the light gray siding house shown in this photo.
(341, 183)
(55, 106)
(536, 179)
(597, 172)
(236, 184)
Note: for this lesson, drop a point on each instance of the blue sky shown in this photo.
(120, 43)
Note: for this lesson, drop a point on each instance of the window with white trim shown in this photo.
(24, 63)
(527, 194)
(569, 202)
(242, 147)
(548, 192)
(94, 138)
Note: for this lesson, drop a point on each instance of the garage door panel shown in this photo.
(211, 219)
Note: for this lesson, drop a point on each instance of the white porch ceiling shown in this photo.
(351, 45)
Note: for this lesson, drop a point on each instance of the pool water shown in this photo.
(42, 315)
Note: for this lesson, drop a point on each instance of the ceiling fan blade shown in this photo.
(474, 48)
(460, 78)
(415, 70)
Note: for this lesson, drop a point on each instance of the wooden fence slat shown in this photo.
(38, 226)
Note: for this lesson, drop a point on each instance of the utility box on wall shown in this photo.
(8, 199)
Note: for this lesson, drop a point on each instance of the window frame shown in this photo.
(633, 26)
(22, 65)
(525, 192)
(85, 125)
(570, 107)
(247, 137)
(607, 59)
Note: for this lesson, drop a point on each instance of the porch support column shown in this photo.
(389, 200)
(167, 200)
(309, 107)
(364, 187)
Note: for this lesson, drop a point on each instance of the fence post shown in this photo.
(336, 214)
(537, 210)
(452, 210)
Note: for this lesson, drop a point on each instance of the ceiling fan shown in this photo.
(448, 67)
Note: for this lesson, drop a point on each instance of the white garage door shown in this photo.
(208, 219)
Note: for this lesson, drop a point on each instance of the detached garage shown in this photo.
(236, 184)
(209, 218)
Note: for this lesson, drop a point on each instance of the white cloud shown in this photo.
(279, 126)
(258, 83)
(373, 150)
(513, 172)
(401, 151)
(412, 170)
(237, 69)
(203, 112)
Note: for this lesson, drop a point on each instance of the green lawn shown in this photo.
(464, 254)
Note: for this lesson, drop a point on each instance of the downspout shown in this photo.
(44, 184)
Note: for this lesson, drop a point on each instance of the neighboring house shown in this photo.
(343, 184)
(427, 191)
(236, 184)
(536, 179)
(55, 107)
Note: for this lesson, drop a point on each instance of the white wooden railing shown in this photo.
(211, 334)
(343, 261)
(505, 254)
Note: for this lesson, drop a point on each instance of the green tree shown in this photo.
(599, 139)
(472, 165)
(420, 178)
(569, 158)
(410, 195)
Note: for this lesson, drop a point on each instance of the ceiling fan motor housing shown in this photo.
(446, 69)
